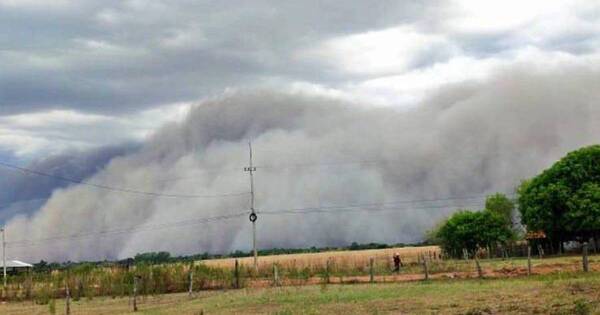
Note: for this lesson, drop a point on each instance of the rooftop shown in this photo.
(15, 264)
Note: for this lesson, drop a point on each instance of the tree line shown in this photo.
(561, 204)
(164, 257)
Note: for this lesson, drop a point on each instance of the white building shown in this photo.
(15, 266)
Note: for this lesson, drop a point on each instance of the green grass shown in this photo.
(558, 293)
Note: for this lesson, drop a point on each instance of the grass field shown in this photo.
(559, 293)
(559, 287)
(343, 259)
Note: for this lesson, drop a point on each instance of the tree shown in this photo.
(564, 200)
(432, 236)
(471, 230)
(502, 206)
(153, 257)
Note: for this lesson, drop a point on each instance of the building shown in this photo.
(15, 266)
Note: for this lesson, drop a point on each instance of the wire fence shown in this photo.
(140, 284)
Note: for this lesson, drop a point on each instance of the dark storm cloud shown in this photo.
(469, 139)
(24, 194)
(115, 56)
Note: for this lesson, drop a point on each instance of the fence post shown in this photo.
(191, 287)
(135, 289)
(425, 268)
(275, 275)
(236, 274)
(371, 271)
(528, 260)
(327, 271)
(67, 297)
(585, 257)
(479, 271)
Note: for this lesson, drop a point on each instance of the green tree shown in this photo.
(470, 230)
(432, 236)
(502, 206)
(153, 258)
(564, 200)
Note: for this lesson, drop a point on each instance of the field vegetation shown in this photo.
(564, 292)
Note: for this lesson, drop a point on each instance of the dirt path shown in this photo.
(505, 272)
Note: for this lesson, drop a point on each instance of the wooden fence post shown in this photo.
(528, 260)
(135, 290)
(371, 271)
(236, 274)
(191, 287)
(327, 271)
(275, 275)
(67, 298)
(585, 257)
(425, 268)
(479, 271)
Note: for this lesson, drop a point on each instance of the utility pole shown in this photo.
(4, 254)
(251, 169)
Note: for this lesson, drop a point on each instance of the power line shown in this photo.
(131, 229)
(366, 209)
(116, 189)
(140, 228)
(359, 205)
(335, 163)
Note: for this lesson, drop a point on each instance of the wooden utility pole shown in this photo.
(253, 217)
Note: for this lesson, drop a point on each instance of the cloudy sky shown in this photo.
(467, 97)
(80, 74)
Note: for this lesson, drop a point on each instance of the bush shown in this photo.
(470, 230)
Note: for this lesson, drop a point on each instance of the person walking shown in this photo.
(397, 262)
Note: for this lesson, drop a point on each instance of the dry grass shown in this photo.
(343, 260)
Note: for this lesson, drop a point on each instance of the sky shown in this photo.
(81, 74)
(129, 93)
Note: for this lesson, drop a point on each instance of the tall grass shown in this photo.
(89, 281)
